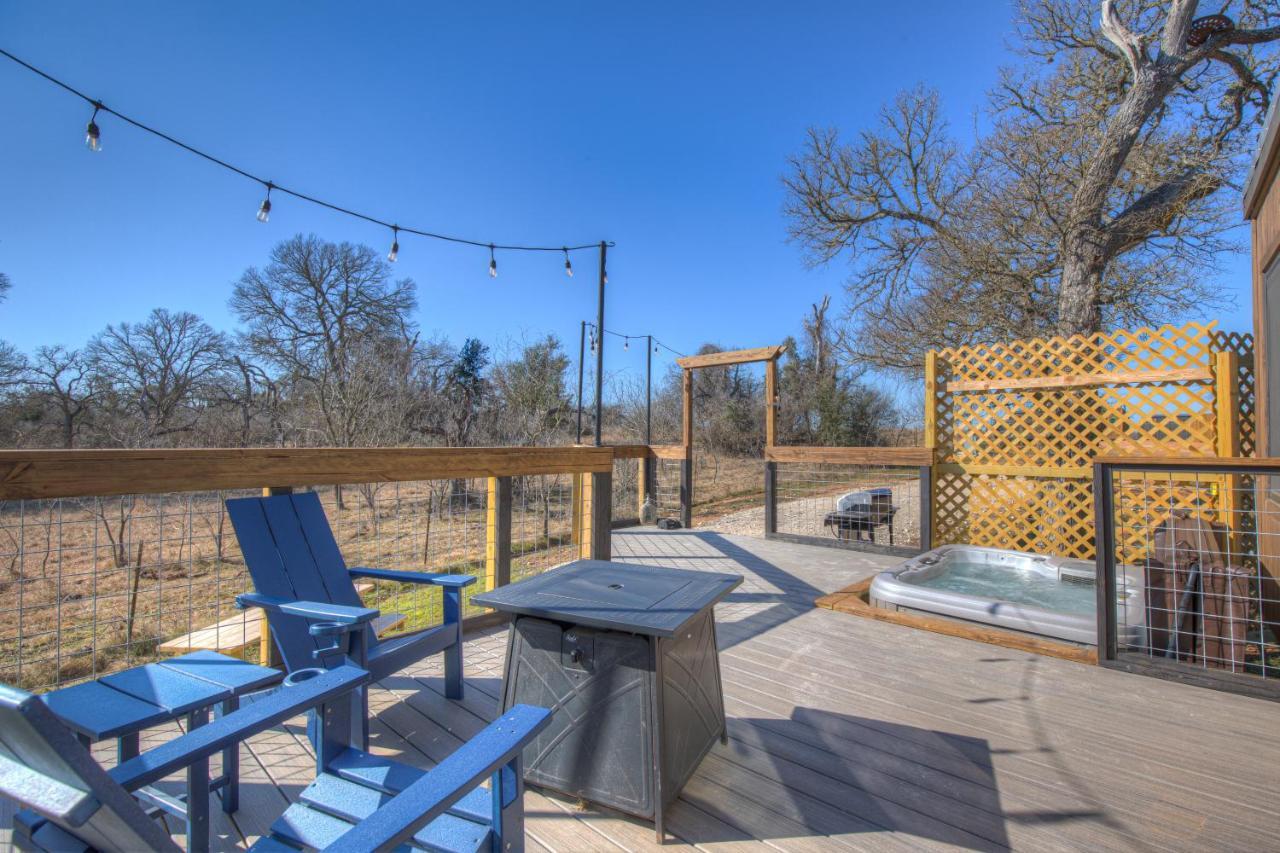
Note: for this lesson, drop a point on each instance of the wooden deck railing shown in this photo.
(112, 554)
(840, 458)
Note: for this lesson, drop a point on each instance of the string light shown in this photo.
(626, 339)
(395, 244)
(264, 212)
(93, 140)
(92, 136)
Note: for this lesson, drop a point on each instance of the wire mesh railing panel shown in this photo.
(92, 585)
(1196, 556)
(542, 524)
(626, 491)
(848, 504)
(425, 526)
(667, 489)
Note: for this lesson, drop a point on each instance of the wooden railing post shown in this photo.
(686, 466)
(601, 516)
(497, 549)
(926, 507)
(770, 497)
(575, 509)
(642, 485)
(1226, 401)
(771, 402)
(931, 444)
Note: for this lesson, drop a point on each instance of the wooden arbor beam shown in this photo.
(731, 357)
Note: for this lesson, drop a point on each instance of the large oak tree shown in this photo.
(1100, 193)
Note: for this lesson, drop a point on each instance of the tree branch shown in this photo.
(1122, 37)
(1157, 208)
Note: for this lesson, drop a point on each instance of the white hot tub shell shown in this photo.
(912, 587)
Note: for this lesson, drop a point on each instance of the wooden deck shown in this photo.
(849, 733)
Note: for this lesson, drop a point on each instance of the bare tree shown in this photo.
(61, 377)
(323, 314)
(12, 363)
(1095, 197)
(155, 372)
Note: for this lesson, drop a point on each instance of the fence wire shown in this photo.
(809, 503)
(1192, 552)
(626, 491)
(667, 489)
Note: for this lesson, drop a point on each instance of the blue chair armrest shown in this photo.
(270, 710)
(436, 578)
(319, 611)
(452, 779)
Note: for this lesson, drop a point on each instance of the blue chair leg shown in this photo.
(453, 654)
(507, 790)
(231, 764)
(198, 793)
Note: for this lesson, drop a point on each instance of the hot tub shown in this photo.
(1049, 596)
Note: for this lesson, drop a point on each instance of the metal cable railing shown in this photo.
(1188, 554)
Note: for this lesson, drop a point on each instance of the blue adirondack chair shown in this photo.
(294, 560)
(358, 802)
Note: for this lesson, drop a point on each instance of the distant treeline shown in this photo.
(327, 353)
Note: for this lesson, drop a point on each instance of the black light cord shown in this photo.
(271, 185)
(637, 338)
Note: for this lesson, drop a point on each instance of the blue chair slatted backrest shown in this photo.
(44, 766)
(290, 551)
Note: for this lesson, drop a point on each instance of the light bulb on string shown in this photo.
(493, 263)
(92, 136)
(264, 212)
(626, 343)
(395, 244)
(568, 267)
(655, 348)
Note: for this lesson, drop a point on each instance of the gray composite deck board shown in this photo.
(848, 734)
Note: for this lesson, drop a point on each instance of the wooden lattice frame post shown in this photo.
(930, 441)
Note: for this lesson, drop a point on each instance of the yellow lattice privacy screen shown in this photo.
(1016, 426)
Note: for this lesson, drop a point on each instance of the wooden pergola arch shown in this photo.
(769, 355)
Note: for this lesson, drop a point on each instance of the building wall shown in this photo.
(1263, 208)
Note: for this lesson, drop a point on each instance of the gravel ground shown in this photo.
(804, 516)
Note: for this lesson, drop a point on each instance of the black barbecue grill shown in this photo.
(858, 514)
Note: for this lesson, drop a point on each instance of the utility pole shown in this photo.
(648, 392)
(582, 350)
(604, 279)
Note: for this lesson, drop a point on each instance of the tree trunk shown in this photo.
(1079, 292)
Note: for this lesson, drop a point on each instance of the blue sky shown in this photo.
(664, 127)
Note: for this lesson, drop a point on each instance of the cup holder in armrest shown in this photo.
(300, 675)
